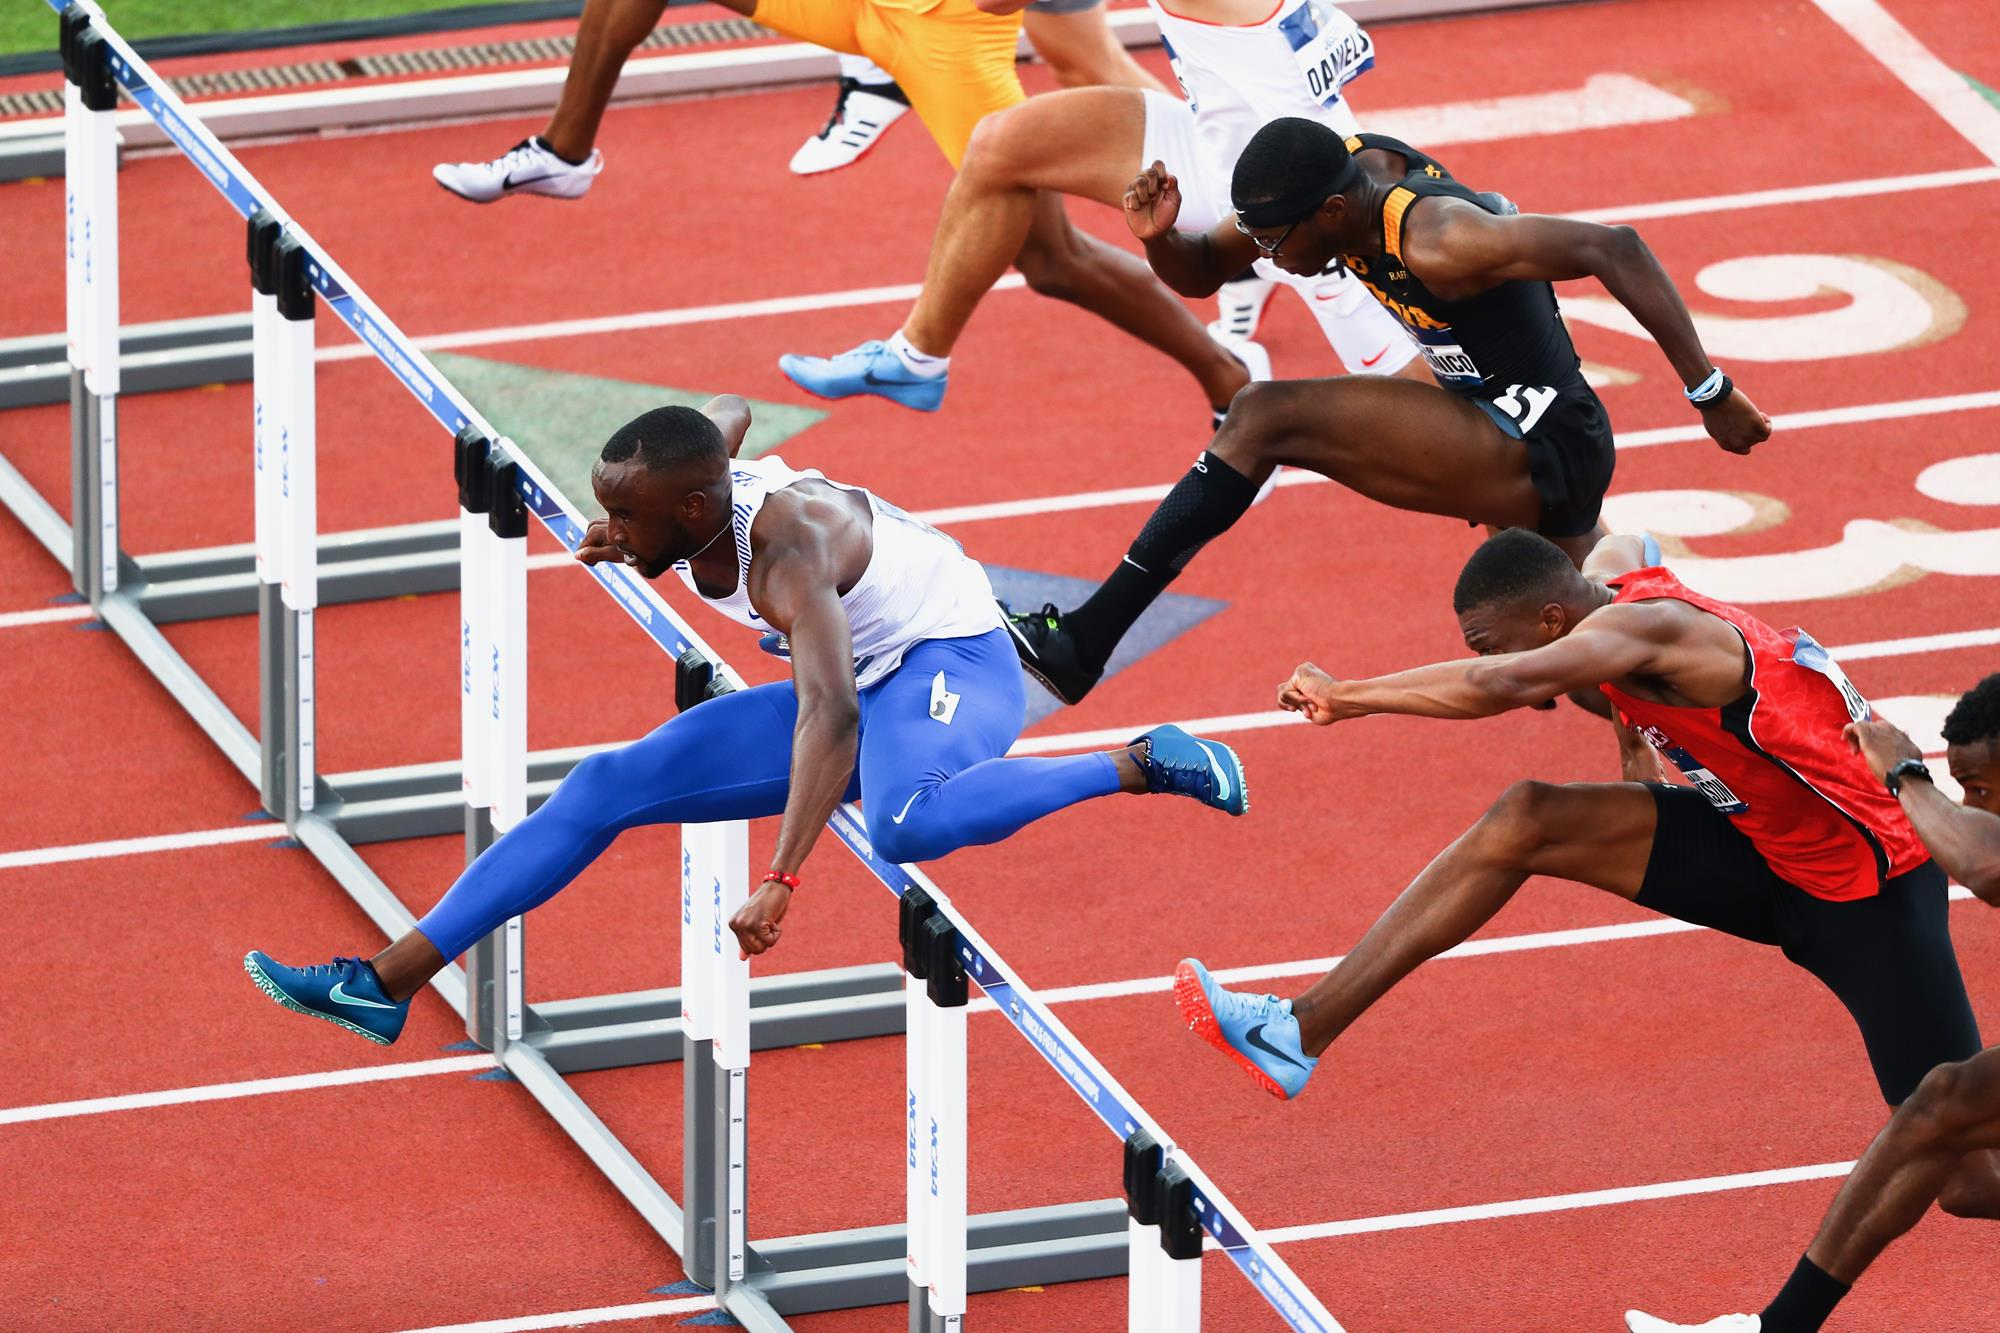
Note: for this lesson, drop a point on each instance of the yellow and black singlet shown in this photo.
(1509, 335)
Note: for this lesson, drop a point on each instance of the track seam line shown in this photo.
(162, 842)
(256, 1087)
(604, 1314)
(45, 615)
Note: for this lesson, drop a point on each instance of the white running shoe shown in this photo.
(526, 168)
(1638, 1321)
(1240, 305)
(863, 114)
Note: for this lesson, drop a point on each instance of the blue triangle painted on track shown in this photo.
(1173, 615)
(494, 1076)
(684, 1287)
(712, 1319)
(464, 1046)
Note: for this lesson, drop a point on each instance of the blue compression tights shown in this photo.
(927, 786)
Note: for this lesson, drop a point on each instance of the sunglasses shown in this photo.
(1269, 247)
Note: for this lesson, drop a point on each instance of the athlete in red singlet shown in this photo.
(1783, 836)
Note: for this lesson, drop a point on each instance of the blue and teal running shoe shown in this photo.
(1185, 765)
(344, 992)
(869, 368)
(1258, 1032)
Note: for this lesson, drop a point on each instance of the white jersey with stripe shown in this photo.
(919, 585)
(1239, 78)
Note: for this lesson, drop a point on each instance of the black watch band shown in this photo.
(1906, 768)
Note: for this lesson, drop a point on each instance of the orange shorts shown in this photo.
(954, 61)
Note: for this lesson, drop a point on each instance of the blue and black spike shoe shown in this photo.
(1258, 1032)
(1185, 765)
(1048, 652)
(344, 992)
(870, 368)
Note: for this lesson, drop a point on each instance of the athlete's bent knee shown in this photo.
(1518, 824)
(1264, 418)
(1000, 150)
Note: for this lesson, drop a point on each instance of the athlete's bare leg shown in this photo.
(607, 34)
(1082, 52)
(1599, 834)
(1408, 444)
(1937, 1147)
(1083, 142)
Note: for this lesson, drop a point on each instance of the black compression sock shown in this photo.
(1805, 1301)
(1201, 507)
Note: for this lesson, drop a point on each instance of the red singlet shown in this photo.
(1774, 760)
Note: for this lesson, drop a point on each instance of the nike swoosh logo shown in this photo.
(1021, 639)
(1221, 777)
(897, 818)
(1255, 1036)
(870, 377)
(513, 182)
(1369, 361)
(340, 996)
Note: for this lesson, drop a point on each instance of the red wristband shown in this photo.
(780, 877)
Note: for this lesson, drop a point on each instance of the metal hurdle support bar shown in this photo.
(718, 1007)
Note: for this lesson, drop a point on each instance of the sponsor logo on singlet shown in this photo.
(1714, 788)
(1329, 48)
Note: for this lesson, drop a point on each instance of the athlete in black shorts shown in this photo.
(1512, 437)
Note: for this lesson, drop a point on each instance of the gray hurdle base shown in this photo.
(330, 815)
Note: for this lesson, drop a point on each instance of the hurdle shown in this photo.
(712, 1023)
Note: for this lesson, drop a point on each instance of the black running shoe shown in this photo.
(1048, 653)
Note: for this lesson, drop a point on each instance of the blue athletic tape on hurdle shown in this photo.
(1014, 999)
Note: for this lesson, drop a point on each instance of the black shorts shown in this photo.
(1888, 958)
(1570, 456)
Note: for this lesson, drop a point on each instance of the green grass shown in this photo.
(30, 25)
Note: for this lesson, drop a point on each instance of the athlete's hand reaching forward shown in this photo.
(1153, 202)
(1314, 693)
(756, 922)
(596, 547)
(1736, 424)
(1881, 745)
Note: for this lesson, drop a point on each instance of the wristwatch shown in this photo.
(1906, 768)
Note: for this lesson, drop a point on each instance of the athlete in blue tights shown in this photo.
(905, 692)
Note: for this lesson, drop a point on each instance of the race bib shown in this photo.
(1807, 652)
(1714, 788)
(1450, 362)
(1329, 47)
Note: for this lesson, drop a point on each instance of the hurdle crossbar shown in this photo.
(514, 486)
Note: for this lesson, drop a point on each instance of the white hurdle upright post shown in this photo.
(262, 235)
(475, 670)
(715, 1026)
(496, 967)
(936, 992)
(298, 515)
(90, 139)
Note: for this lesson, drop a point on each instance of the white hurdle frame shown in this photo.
(90, 138)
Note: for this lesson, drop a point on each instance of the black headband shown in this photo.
(1294, 204)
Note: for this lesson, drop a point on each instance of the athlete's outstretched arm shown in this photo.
(1458, 248)
(731, 414)
(1965, 841)
(795, 585)
(1190, 263)
(1615, 641)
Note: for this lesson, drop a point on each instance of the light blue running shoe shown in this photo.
(869, 368)
(1258, 1032)
(344, 992)
(1185, 765)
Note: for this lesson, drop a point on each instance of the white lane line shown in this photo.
(262, 831)
(1938, 84)
(1557, 1203)
(256, 1087)
(901, 292)
(45, 616)
(1313, 967)
(1796, 194)
(1927, 643)
(603, 1314)
(657, 319)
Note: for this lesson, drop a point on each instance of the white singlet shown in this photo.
(1238, 79)
(919, 584)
